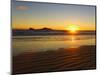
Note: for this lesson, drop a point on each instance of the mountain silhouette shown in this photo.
(47, 31)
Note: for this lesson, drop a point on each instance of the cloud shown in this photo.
(22, 7)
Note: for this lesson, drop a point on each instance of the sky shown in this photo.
(36, 15)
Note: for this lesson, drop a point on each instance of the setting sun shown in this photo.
(73, 28)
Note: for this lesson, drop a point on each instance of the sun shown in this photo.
(73, 28)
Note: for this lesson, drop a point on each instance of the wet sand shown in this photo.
(82, 58)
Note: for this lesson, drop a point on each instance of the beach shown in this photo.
(62, 59)
(47, 37)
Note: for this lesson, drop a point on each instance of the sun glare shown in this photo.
(73, 28)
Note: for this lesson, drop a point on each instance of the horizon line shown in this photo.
(47, 28)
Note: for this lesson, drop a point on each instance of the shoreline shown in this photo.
(71, 59)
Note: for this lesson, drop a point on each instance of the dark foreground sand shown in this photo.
(82, 58)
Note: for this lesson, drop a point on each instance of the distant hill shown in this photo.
(47, 31)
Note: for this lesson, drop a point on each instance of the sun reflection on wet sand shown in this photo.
(73, 41)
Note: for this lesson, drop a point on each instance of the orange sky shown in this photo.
(54, 16)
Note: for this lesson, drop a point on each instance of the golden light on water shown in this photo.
(73, 28)
(73, 41)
